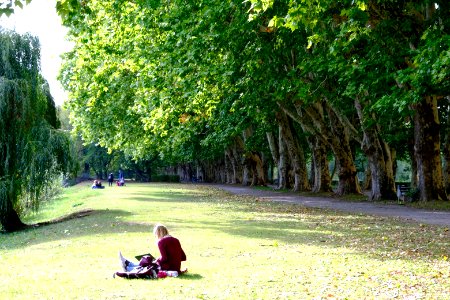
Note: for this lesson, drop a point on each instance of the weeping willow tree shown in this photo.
(32, 150)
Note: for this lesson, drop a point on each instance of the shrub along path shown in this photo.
(373, 208)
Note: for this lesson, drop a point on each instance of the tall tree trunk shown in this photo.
(205, 170)
(390, 156)
(335, 168)
(313, 178)
(189, 171)
(259, 174)
(446, 150)
(447, 166)
(254, 172)
(231, 173)
(282, 163)
(237, 154)
(427, 150)
(320, 170)
(380, 162)
(9, 218)
(295, 153)
(367, 178)
(260, 169)
(221, 173)
(254, 161)
(273, 146)
(412, 156)
(246, 175)
(333, 134)
(228, 168)
(348, 181)
(213, 170)
(394, 162)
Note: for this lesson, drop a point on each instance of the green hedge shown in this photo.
(166, 178)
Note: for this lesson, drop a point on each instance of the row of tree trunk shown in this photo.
(328, 131)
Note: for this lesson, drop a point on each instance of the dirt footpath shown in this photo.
(372, 208)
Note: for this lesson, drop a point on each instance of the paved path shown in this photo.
(420, 215)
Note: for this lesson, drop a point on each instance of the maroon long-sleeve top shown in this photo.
(171, 254)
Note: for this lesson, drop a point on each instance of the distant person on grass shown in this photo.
(97, 185)
(121, 182)
(110, 179)
(171, 256)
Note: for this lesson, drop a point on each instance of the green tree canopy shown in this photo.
(190, 80)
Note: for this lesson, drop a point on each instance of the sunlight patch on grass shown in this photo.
(237, 248)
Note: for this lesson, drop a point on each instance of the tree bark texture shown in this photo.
(227, 167)
(427, 150)
(348, 181)
(9, 218)
(380, 161)
(333, 133)
(214, 171)
(394, 163)
(367, 185)
(283, 169)
(246, 176)
(231, 168)
(446, 150)
(412, 155)
(320, 171)
(295, 153)
(259, 173)
(273, 147)
(237, 154)
(253, 162)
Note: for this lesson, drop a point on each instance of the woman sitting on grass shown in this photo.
(171, 256)
(170, 249)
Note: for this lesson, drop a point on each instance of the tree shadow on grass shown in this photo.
(378, 237)
(187, 276)
(172, 197)
(74, 215)
(190, 276)
(74, 225)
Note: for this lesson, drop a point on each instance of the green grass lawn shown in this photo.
(237, 248)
